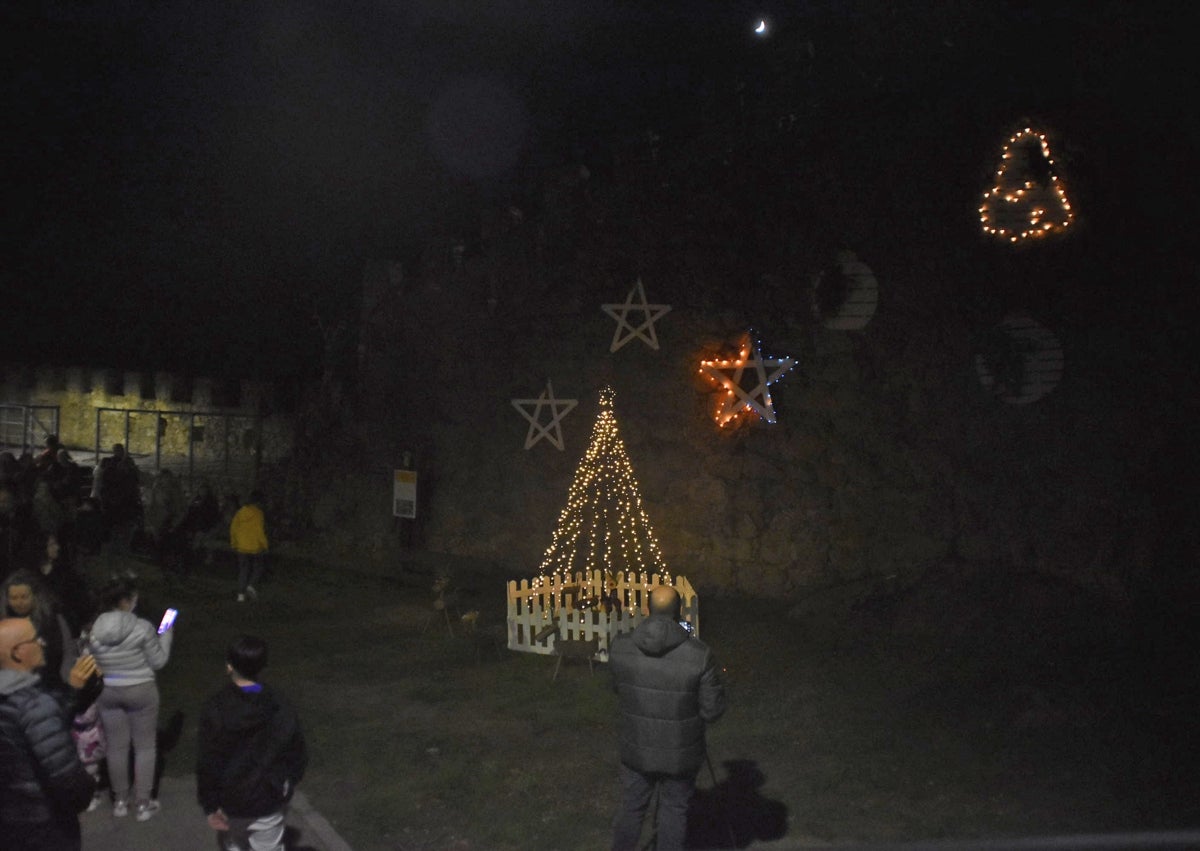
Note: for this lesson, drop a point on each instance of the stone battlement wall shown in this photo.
(177, 420)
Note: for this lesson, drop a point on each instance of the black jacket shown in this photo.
(252, 753)
(41, 777)
(668, 690)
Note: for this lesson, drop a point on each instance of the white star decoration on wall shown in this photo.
(558, 409)
(619, 312)
(732, 374)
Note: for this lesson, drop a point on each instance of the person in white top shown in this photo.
(129, 650)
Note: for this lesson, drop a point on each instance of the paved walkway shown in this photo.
(180, 825)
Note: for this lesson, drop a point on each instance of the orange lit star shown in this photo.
(732, 375)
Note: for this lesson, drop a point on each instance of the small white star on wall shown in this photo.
(645, 330)
(531, 409)
(729, 374)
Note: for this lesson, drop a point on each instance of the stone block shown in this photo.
(164, 385)
(977, 547)
(75, 380)
(252, 395)
(45, 380)
(202, 394)
(745, 526)
(777, 541)
(769, 581)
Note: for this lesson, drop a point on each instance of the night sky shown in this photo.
(235, 165)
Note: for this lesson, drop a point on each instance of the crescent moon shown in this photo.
(761, 27)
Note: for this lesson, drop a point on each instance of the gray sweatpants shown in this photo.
(130, 714)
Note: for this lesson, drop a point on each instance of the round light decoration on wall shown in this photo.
(1020, 360)
(845, 294)
(1027, 200)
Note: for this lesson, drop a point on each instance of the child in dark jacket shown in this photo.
(252, 753)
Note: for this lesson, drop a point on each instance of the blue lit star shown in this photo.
(731, 374)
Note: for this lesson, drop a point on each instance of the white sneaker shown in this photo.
(251, 593)
(146, 810)
(120, 809)
(95, 804)
(241, 598)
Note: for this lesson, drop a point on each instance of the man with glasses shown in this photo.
(43, 785)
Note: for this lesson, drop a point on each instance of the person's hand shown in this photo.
(83, 670)
(218, 821)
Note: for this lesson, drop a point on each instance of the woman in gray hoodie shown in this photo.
(129, 650)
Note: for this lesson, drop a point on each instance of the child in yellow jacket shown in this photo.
(248, 540)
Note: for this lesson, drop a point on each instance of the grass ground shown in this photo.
(845, 726)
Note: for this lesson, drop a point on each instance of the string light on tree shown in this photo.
(1027, 199)
(748, 369)
(603, 526)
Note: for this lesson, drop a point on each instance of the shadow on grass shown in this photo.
(733, 813)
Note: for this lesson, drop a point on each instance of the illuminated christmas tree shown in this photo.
(603, 526)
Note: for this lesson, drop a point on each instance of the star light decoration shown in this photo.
(603, 526)
(531, 409)
(644, 331)
(748, 369)
(1018, 207)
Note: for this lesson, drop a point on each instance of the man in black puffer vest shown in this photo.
(43, 785)
(669, 690)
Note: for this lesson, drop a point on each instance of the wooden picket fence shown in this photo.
(537, 615)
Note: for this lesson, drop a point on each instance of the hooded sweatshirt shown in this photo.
(248, 530)
(252, 752)
(668, 690)
(127, 648)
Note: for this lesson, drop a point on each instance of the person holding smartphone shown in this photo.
(43, 785)
(129, 649)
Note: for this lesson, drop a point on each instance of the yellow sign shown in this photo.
(404, 494)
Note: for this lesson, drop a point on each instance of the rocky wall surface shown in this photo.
(888, 459)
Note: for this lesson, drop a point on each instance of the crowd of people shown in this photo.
(77, 660)
(50, 495)
(54, 734)
(78, 669)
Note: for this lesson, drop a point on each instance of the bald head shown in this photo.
(664, 600)
(19, 648)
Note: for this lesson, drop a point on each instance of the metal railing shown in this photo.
(23, 428)
(210, 444)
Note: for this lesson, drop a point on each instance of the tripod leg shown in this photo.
(724, 810)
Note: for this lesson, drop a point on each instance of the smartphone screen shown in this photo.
(167, 621)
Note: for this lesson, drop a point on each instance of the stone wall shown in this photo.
(217, 428)
(888, 459)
